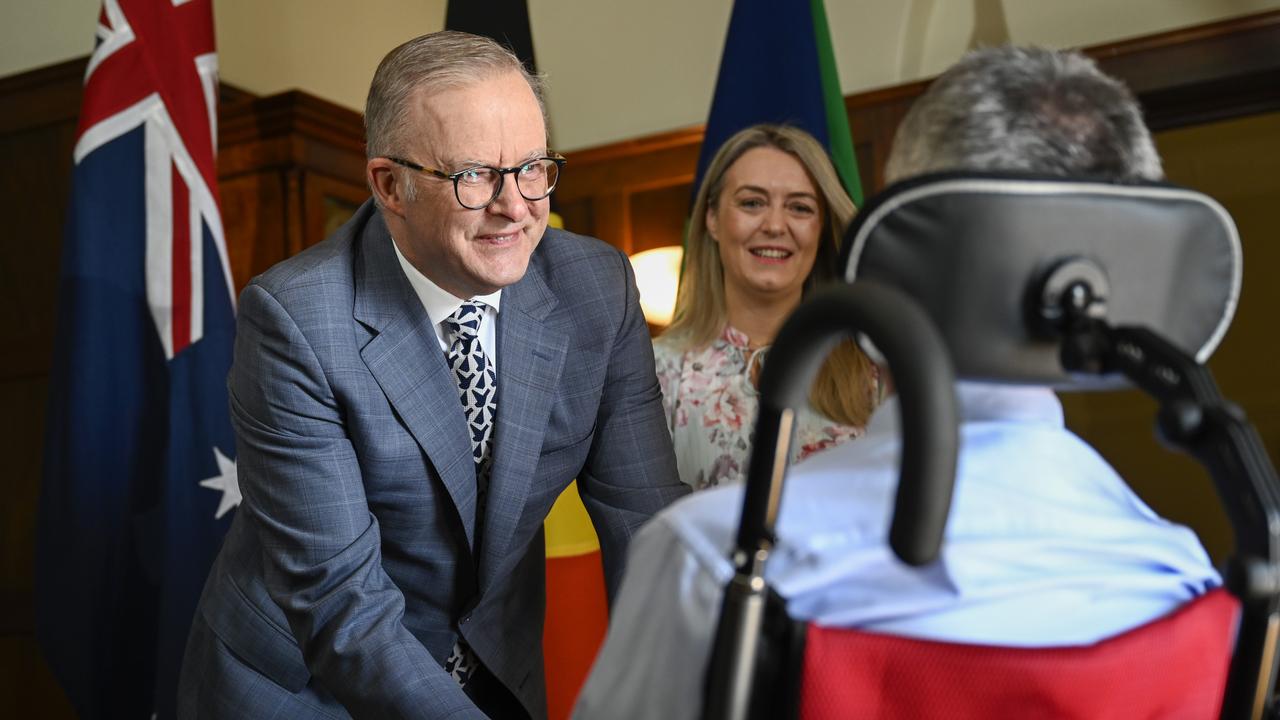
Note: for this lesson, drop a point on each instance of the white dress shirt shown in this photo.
(1045, 546)
(440, 304)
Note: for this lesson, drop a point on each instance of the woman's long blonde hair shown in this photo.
(842, 391)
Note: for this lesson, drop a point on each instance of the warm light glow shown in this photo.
(658, 276)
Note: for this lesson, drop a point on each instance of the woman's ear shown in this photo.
(713, 224)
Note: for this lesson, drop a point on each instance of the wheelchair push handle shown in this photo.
(917, 356)
(915, 352)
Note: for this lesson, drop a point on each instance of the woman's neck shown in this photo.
(758, 317)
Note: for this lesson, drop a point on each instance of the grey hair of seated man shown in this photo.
(1026, 109)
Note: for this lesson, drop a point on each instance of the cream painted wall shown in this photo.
(616, 68)
(35, 33)
(1064, 23)
(644, 67)
(328, 47)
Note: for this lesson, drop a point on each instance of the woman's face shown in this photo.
(767, 221)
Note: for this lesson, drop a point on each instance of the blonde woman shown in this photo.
(766, 227)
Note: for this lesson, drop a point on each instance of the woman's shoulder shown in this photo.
(676, 349)
(668, 344)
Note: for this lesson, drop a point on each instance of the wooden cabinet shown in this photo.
(290, 171)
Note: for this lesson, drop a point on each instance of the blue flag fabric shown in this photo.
(778, 67)
(139, 473)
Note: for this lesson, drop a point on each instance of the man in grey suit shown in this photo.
(410, 396)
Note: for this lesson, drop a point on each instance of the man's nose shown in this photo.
(510, 203)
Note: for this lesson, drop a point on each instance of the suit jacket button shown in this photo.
(465, 619)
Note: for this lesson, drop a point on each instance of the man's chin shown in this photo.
(498, 278)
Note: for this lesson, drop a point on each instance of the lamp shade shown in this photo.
(658, 277)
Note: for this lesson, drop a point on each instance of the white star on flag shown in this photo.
(224, 481)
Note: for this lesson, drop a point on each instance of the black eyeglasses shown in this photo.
(478, 186)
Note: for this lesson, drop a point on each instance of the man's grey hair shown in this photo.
(1025, 109)
(432, 62)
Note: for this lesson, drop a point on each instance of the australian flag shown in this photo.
(139, 471)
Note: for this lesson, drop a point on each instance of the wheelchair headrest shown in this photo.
(970, 247)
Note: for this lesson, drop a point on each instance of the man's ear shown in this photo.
(381, 175)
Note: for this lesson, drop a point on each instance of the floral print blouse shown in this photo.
(711, 410)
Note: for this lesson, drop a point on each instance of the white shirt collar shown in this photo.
(438, 302)
(979, 401)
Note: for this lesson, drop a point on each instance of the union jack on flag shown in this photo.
(139, 471)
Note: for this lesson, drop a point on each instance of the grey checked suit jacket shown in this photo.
(352, 563)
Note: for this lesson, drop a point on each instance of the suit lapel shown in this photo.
(530, 359)
(404, 357)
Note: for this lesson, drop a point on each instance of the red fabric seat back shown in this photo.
(1173, 667)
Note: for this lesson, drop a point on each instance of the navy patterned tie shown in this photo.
(477, 387)
(477, 384)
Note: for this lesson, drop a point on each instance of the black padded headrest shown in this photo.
(968, 246)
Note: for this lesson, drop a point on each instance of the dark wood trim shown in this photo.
(289, 113)
(17, 616)
(41, 97)
(1182, 51)
(1200, 74)
(290, 129)
(229, 94)
(640, 146)
(52, 94)
(72, 69)
(885, 95)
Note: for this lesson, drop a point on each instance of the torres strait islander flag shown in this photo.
(139, 471)
(778, 66)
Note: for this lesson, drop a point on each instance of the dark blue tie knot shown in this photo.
(465, 321)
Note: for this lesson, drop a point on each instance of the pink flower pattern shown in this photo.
(711, 411)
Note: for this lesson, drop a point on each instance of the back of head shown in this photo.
(1026, 109)
(435, 61)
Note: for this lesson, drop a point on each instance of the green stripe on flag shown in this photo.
(840, 141)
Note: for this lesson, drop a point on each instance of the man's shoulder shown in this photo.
(819, 504)
(703, 523)
(588, 278)
(569, 258)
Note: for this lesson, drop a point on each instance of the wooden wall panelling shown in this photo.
(288, 166)
(658, 215)
(873, 120)
(612, 215)
(600, 186)
(253, 212)
(41, 98)
(327, 203)
(38, 114)
(578, 216)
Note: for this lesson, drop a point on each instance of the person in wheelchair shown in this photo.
(1046, 545)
